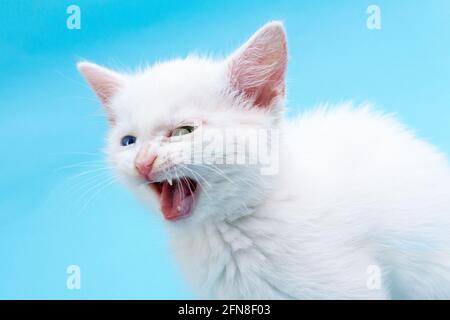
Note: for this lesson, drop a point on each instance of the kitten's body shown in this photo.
(356, 194)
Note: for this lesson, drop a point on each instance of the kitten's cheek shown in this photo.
(128, 176)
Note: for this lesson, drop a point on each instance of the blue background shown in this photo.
(52, 127)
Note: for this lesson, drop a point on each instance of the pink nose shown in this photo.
(144, 164)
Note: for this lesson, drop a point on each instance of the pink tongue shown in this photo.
(176, 200)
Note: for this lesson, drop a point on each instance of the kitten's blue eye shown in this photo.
(127, 140)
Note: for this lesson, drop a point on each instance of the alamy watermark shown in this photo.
(73, 281)
(231, 146)
(373, 277)
(73, 21)
(373, 21)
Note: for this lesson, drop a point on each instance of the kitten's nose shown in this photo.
(144, 163)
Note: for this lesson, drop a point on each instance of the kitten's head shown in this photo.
(183, 133)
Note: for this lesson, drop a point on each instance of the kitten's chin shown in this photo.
(177, 197)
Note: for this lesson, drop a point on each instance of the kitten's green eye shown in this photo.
(180, 131)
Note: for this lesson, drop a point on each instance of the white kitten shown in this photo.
(359, 208)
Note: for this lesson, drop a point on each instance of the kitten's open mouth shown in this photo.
(176, 196)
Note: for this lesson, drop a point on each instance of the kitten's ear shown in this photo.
(104, 82)
(258, 68)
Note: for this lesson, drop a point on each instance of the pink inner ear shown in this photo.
(258, 68)
(104, 82)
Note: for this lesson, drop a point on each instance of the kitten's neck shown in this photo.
(216, 253)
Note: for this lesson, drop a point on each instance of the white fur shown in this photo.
(355, 189)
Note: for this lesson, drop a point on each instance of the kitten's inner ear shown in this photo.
(104, 82)
(258, 68)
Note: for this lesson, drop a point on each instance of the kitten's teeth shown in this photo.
(169, 181)
(179, 208)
